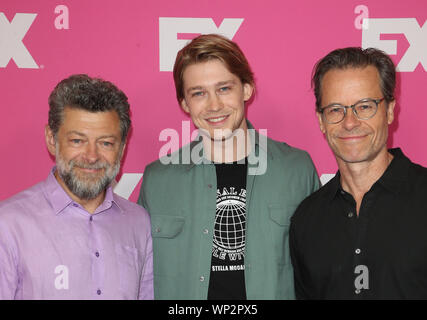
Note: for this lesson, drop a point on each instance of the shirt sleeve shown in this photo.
(146, 291)
(9, 277)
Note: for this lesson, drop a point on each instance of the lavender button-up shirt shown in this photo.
(52, 248)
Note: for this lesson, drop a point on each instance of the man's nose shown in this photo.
(350, 120)
(215, 102)
(91, 153)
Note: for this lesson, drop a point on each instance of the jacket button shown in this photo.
(157, 230)
(202, 278)
(209, 186)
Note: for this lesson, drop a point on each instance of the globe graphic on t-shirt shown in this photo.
(229, 231)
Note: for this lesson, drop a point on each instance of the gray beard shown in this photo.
(89, 188)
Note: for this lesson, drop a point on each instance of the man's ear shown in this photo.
(122, 152)
(390, 111)
(184, 106)
(248, 90)
(321, 124)
(50, 140)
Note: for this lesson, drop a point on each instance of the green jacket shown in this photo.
(181, 199)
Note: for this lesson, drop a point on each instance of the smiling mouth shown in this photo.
(352, 138)
(89, 170)
(217, 119)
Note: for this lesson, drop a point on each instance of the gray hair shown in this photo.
(90, 94)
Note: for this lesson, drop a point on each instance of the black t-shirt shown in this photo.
(227, 277)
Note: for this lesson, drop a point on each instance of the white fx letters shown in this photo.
(11, 35)
(170, 27)
(416, 35)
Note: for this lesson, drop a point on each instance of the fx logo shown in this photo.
(416, 35)
(11, 45)
(170, 28)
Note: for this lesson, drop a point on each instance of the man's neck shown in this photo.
(89, 205)
(358, 178)
(234, 148)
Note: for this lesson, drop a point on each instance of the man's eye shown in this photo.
(364, 107)
(76, 141)
(224, 89)
(334, 110)
(197, 94)
(107, 144)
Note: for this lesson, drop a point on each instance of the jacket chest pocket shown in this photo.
(169, 244)
(279, 231)
(165, 226)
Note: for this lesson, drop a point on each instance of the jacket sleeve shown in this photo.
(314, 178)
(142, 199)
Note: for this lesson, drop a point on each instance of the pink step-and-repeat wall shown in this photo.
(133, 43)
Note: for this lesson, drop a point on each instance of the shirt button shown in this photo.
(202, 278)
(98, 292)
(91, 218)
(357, 291)
(350, 214)
(357, 251)
(209, 186)
(97, 254)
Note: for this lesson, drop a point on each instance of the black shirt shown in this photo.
(227, 276)
(380, 254)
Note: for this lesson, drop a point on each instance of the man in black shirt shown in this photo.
(364, 234)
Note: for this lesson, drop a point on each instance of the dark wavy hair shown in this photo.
(90, 94)
(356, 57)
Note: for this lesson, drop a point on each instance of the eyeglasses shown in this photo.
(364, 109)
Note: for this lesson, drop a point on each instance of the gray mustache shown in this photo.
(85, 165)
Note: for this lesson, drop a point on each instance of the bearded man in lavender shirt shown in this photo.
(70, 237)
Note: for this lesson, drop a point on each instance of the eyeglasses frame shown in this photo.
(377, 102)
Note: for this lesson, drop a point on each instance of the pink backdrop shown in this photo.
(120, 41)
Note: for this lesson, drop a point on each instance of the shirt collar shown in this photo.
(55, 194)
(393, 179)
(333, 186)
(110, 199)
(59, 199)
(259, 147)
